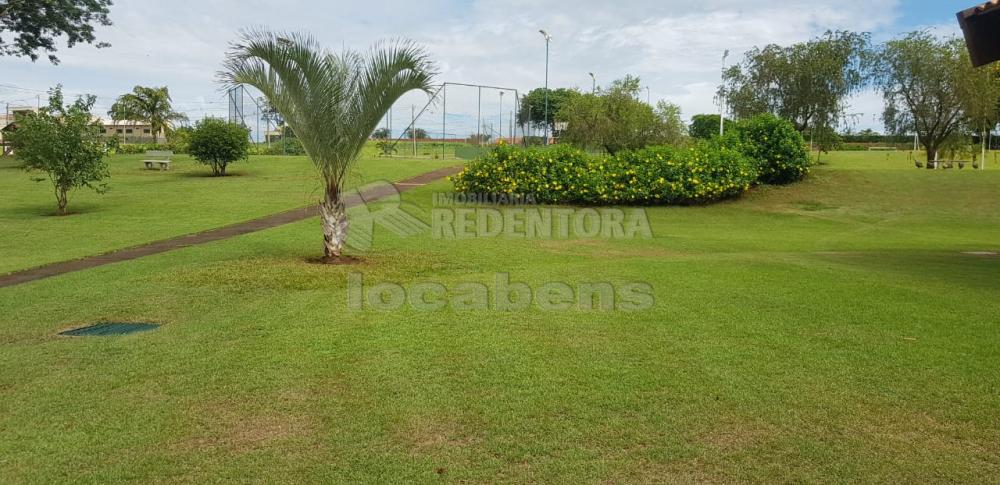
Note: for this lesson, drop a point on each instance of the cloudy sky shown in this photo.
(674, 46)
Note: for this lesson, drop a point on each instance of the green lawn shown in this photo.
(829, 331)
(147, 205)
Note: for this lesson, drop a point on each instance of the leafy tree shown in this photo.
(532, 109)
(614, 120)
(65, 143)
(421, 134)
(333, 101)
(979, 94)
(217, 143)
(382, 134)
(806, 83)
(37, 25)
(672, 129)
(151, 105)
(920, 79)
(706, 126)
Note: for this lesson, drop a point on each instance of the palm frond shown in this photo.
(333, 102)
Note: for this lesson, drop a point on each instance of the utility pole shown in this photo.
(722, 99)
(647, 95)
(530, 129)
(593, 83)
(511, 128)
(479, 118)
(444, 111)
(500, 123)
(413, 130)
(546, 117)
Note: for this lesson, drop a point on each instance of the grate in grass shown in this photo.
(105, 329)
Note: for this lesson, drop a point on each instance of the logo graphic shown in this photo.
(379, 204)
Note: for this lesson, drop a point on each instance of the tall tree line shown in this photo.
(929, 86)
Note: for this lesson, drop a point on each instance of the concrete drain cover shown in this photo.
(105, 329)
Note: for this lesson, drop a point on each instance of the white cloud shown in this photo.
(673, 45)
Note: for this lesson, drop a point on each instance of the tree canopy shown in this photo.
(36, 25)
(613, 119)
(152, 105)
(63, 141)
(921, 79)
(705, 126)
(218, 143)
(806, 83)
(533, 106)
(333, 102)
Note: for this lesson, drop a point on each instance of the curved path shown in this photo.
(225, 232)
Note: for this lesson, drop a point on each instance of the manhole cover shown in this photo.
(105, 329)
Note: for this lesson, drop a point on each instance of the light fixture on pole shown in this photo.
(722, 99)
(546, 114)
(593, 88)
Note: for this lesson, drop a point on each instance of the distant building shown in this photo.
(127, 131)
(130, 131)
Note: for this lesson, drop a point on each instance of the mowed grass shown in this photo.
(829, 331)
(147, 205)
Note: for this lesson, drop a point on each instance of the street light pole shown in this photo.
(546, 114)
(722, 99)
(647, 95)
(593, 88)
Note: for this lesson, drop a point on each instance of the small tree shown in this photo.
(532, 111)
(614, 119)
(806, 83)
(65, 143)
(152, 105)
(218, 143)
(921, 78)
(382, 134)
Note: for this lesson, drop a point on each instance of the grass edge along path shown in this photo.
(224, 232)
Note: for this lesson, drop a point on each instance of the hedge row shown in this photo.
(139, 148)
(765, 149)
(656, 175)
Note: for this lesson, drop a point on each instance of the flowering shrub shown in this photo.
(777, 147)
(703, 172)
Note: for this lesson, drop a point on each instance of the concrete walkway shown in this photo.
(225, 232)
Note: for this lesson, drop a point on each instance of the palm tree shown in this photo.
(151, 105)
(331, 102)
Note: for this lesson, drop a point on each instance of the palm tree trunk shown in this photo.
(334, 219)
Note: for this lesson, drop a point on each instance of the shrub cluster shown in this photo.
(700, 173)
(114, 146)
(774, 143)
(218, 143)
(285, 146)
